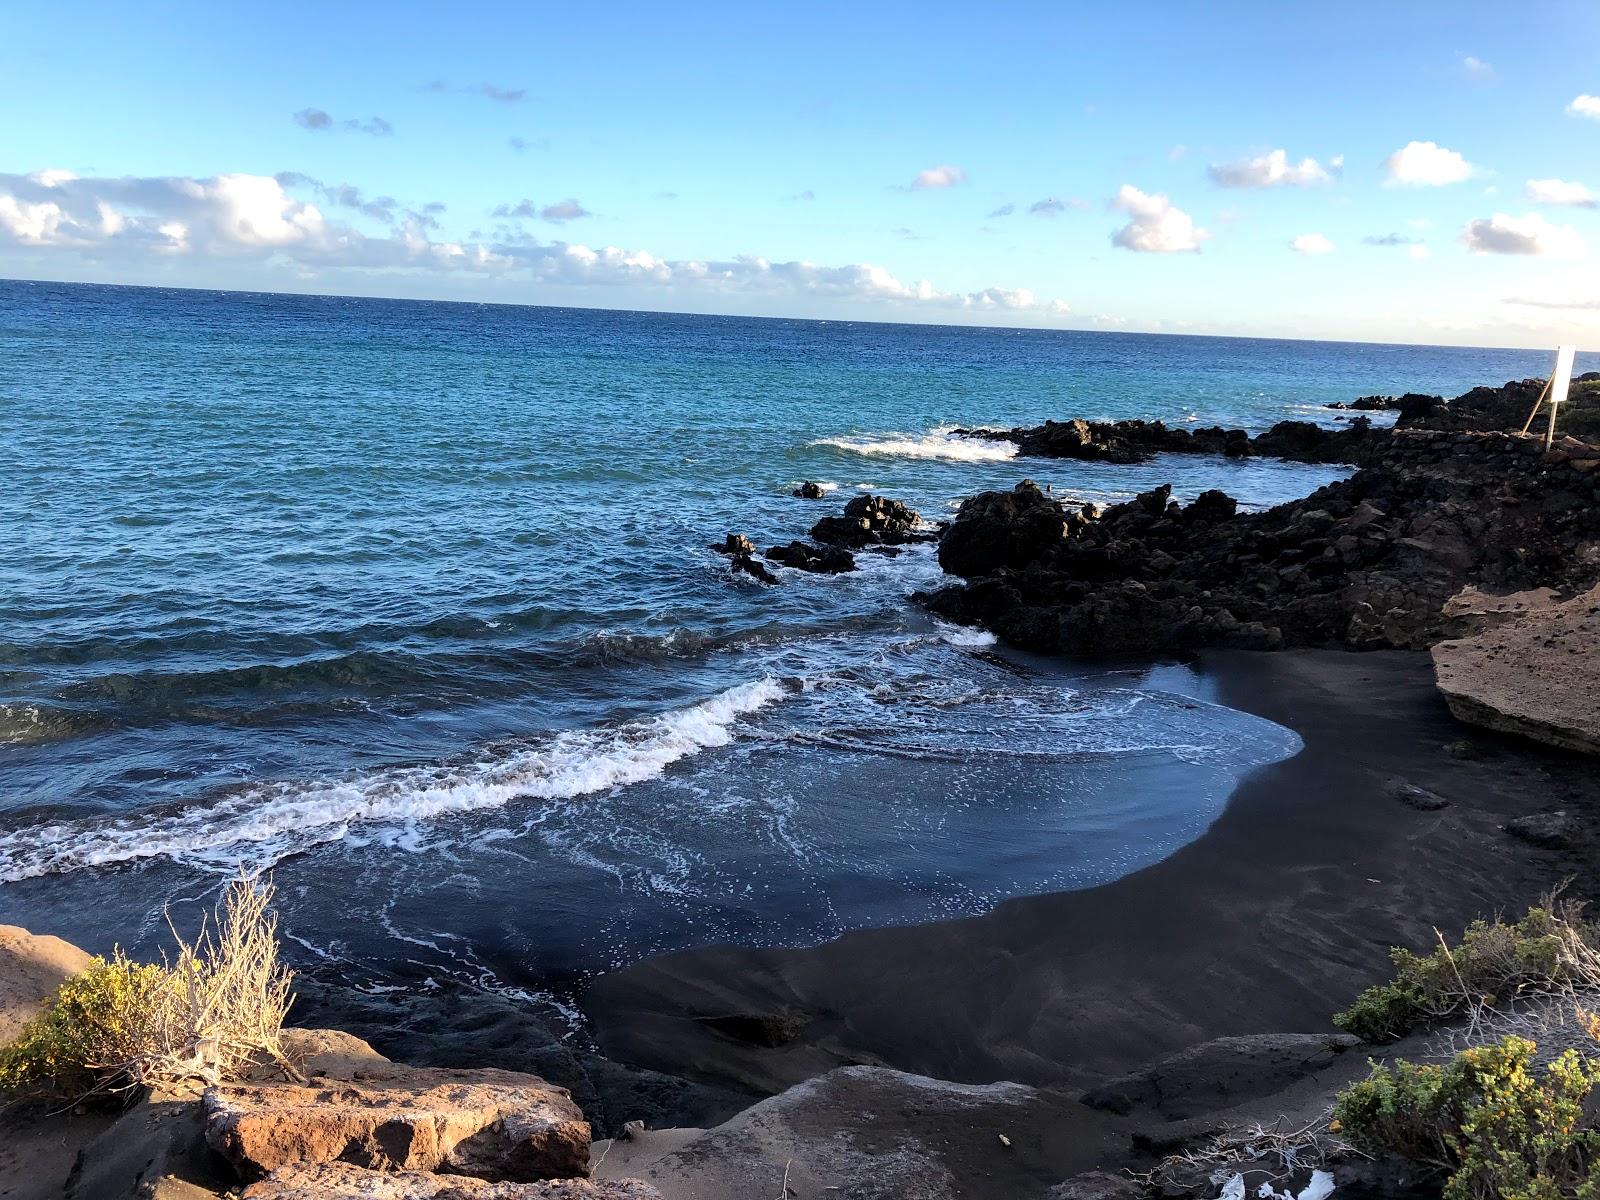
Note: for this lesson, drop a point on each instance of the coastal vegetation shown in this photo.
(1496, 964)
(208, 1014)
(1510, 1116)
(1495, 1122)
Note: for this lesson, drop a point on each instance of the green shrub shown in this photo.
(95, 1026)
(1495, 1125)
(1494, 963)
(209, 1016)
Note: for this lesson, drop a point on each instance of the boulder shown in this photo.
(734, 545)
(32, 967)
(1531, 676)
(810, 491)
(341, 1181)
(870, 520)
(486, 1123)
(1002, 529)
(1551, 830)
(740, 552)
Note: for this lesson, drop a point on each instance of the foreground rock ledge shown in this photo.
(496, 1125)
(340, 1181)
(1532, 676)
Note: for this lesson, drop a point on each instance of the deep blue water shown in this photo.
(413, 601)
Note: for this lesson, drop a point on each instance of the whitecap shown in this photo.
(939, 442)
(263, 824)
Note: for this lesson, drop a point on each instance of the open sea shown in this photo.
(412, 603)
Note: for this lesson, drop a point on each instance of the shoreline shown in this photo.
(1271, 921)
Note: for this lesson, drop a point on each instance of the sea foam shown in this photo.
(939, 442)
(263, 824)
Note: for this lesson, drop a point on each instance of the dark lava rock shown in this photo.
(871, 520)
(1416, 797)
(760, 1029)
(810, 491)
(1552, 831)
(1367, 562)
(1002, 529)
(740, 552)
(821, 560)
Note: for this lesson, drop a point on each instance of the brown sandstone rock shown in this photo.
(32, 967)
(1531, 676)
(496, 1125)
(340, 1181)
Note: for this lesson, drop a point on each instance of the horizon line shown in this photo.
(669, 312)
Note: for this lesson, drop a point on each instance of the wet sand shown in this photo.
(1270, 922)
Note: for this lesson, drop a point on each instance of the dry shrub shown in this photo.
(207, 1016)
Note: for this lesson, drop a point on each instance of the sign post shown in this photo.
(1560, 381)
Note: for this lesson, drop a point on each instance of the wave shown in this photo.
(34, 724)
(261, 825)
(939, 442)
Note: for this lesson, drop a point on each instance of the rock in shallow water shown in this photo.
(819, 560)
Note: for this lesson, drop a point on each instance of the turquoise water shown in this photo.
(412, 602)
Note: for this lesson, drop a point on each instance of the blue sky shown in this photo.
(1070, 165)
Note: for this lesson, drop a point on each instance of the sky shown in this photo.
(1416, 171)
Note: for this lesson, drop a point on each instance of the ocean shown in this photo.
(412, 603)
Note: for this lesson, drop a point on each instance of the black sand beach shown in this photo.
(1272, 921)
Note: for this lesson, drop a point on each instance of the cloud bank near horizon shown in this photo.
(255, 217)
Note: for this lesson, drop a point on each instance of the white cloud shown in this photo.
(1274, 170)
(1476, 68)
(1560, 191)
(1311, 243)
(1156, 226)
(1426, 164)
(238, 216)
(943, 176)
(1528, 234)
(1585, 106)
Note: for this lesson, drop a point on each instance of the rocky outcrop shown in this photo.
(871, 521)
(740, 552)
(870, 1133)
(490, 1124)
(32, 967)
(341, 1181)
(1138, 441)
(1004, 529)
(819, 560)
(1532, 675)
(810, 490)
(1367, 562)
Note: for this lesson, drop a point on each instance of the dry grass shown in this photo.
(209, 1014)
(227, 995)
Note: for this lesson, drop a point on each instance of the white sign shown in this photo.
(1560, 382)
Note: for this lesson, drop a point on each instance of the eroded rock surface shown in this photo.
(496, 1125)
(1532, 676)
(341, 1181)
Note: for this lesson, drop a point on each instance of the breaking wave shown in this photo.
(940, 442)
(266, 823)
